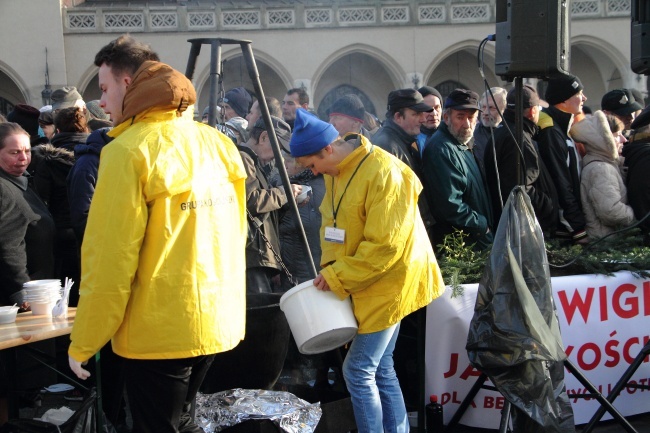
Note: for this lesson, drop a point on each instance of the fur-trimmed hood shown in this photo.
(595, 134)
(47, 152)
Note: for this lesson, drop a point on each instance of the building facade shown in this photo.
(328, 47)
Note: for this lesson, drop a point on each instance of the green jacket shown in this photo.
(458, 197)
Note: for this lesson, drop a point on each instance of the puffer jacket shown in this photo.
(50, 182)
(386, 263)
(163, 253)
(603, 193)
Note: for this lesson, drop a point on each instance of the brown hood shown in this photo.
(158, 85)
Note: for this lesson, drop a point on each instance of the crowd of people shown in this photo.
(162, 218)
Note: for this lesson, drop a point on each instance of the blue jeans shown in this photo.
(372, 382)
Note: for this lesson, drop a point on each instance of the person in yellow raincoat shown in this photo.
(163, 266)
(375, 249)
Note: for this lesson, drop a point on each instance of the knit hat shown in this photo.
(348, 106)
(530, 97)
(65, 97)
(428, 90)
(407, 98)
(96, 111)
(620, 102)
(239, 100)
(562, 88)
(282, 131)
(310, 134)
(462, 99)
(26, 116)
(595, 134)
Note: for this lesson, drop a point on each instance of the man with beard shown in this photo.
(453, 182)
(492, 104)
(432, 119)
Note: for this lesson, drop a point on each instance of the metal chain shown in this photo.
(275, 254)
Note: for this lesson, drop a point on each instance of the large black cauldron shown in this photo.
(256, 362)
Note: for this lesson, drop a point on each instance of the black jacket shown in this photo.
(26, 237)
(539, 185)
(50, 182)
(637, 161)
(560, 156)
(82, 179)
(393, 139)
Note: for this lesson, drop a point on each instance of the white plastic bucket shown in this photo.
(319, 321)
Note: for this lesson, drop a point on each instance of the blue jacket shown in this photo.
(456, 190)
(83, 178)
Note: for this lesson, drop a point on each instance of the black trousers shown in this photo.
(161, 393)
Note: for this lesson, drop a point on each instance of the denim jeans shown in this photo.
(372, 382)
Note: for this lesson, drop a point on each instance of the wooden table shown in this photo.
(29, 328)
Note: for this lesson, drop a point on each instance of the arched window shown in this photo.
(446, 87)
(336, 93)
(5, 106)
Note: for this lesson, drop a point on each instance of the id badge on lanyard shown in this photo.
(332, 234)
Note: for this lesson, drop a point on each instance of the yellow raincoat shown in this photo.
(386, 262)
(163, 266)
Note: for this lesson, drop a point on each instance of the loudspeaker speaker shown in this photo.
(640, 41)
(532, 38)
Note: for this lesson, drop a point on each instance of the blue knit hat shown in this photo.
(310, 134)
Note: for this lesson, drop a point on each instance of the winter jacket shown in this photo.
(603, 193)
(82, 179)
(559, 153)
(482, 136)
(539, 186)
(458, 197)
(393, 139)
(26, 238)
(291, 244)
(637, 161)
(263, 202)
(50, 182)
(386, 263)
(423, 137)
(163, 254)
(68, 140)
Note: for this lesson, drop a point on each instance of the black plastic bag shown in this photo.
(84, 420)
(514, 336)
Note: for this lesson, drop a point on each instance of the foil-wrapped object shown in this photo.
(218, 411)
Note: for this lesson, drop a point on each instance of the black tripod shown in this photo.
(605, 404)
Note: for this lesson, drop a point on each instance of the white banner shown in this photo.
(604, 321)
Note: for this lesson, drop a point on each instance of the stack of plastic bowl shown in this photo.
(42, 295)
(8, 314)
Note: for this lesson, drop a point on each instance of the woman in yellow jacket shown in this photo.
(376, 250)
(163, 266)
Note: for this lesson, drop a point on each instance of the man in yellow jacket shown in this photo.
(163, 266)
(375, 249)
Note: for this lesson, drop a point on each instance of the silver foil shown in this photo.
(218, 411)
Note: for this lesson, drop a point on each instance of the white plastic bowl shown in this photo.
(42, 308)
(41, 283)
(8, 314)
(319, 321)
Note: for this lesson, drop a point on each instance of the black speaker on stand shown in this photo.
(640, 41)
(532, 38)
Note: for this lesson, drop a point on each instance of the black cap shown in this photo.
(282, 131)
(620, 102)
(407, 98)
(26, 116)
(462, 99)
(349, 106)
(530, 96)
